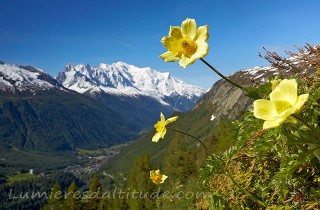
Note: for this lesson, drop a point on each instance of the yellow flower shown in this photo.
(187, 43)
(284, 101)
(160, 127)
(157, 177)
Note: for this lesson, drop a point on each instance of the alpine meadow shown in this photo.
(182, 116)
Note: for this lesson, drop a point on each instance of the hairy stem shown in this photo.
(252, 197)
(221, 75)
(306, 124)
(316, 153)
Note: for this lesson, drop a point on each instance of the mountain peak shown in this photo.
(68, 67)
(102, 65)
(120, 63)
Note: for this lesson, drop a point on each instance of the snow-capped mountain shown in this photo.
(38, 113)
(127, 80)
(24, 78)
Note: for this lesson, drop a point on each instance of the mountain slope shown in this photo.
(136, 94)
(141, 110)
(37, 113)
(224, 101)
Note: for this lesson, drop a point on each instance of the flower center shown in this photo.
(187, 46)
(157, 178)
(160, 126)
(282, 106)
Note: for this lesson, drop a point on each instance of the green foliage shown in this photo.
(139, 180)
(20, 177)
(73, 198)
(54, 201)
(94, 195)
(279, 166)
(19, 160)
(52, 121)
(19, 194)
(223, 136)
(180, 161)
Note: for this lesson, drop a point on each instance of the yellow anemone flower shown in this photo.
(187, 43)
(284, 101)
(160, 127)
(157, 177)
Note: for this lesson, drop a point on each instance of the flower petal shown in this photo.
(175, 31)
(287, 113)
(185, 61)
(172, 119)
(156, 137)
(273, 123)
(163, 132)
(203, 34)
(170, 56)
(285, 91)
(202, 50)
(264, 109)
(158, 126)
(163, 178)
(301, 100)
(189, 28)
(162, 117)
(171, 43)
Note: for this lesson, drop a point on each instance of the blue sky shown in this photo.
(52, 33)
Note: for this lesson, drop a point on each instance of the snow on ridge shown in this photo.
(257, 72)
(257, 69)
(13, 76)
(122, 78)
(2, 80)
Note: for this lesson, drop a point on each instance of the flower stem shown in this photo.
(306, 124)
(252, 197)
(317, 153)
(221, 75)
(191, 137)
